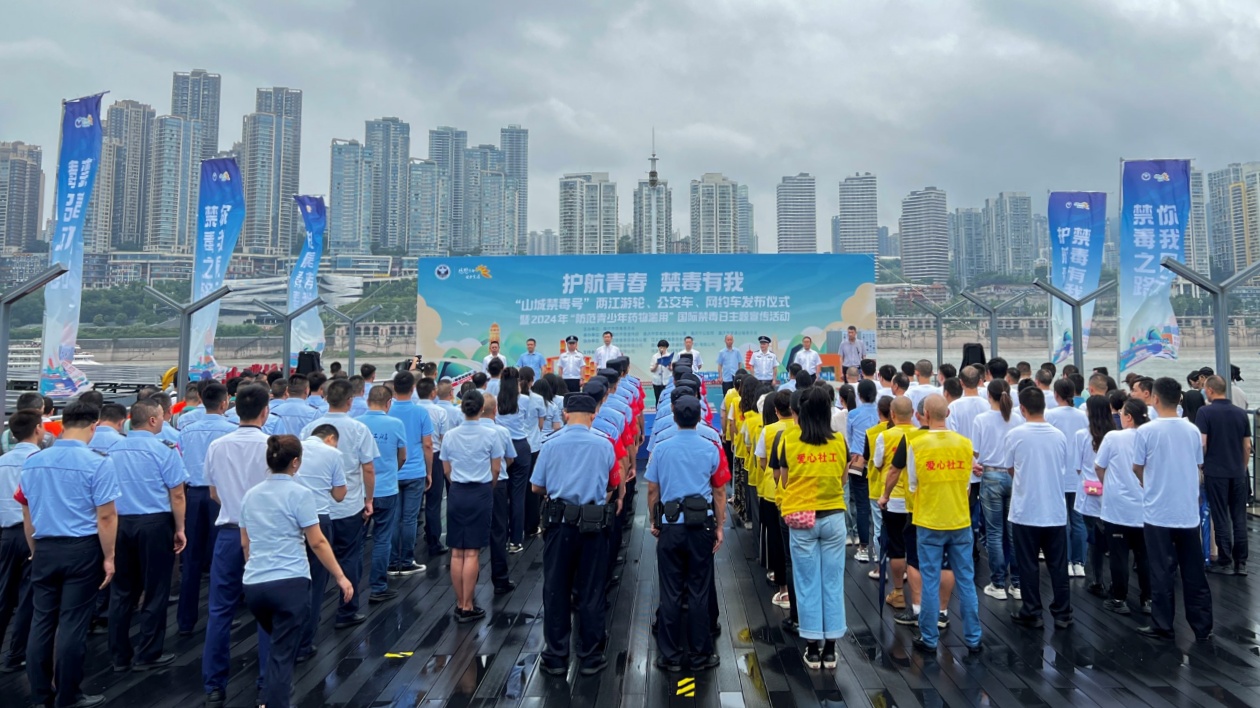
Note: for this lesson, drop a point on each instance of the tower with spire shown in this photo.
(653, 210)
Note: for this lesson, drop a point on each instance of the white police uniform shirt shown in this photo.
(491, 357)
(320, 472)
(357, 448)
(764, 365)
(1038, 452)
(273, 514)
(1069, 421)
(235, 464)
(809, 361)
(604, 354)
(569, 365)
(1171, 451)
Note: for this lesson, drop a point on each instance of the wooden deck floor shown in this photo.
(411, 653)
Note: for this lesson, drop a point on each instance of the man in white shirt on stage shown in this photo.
(696, 362)
(569, 365)
(606, 352)
(809, 359)
(765, 363)
(494, 354)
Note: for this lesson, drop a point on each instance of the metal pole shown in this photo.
(939, 314)
(992, 311)
(7, 300)
(1220, 308)
(1078, 353)
(353, 324)
(286, 318)
(186, 313)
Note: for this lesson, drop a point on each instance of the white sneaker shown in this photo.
(770, 575)
(862, 556)
(782, 599)
(1076, 570)
(995, 592)
(874, 574)
(1015, 594)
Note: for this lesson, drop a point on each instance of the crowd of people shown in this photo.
(267, 487)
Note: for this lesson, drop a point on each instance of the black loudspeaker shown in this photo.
(973, 355)
(308, 363)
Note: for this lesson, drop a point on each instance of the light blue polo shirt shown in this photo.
(196, 438)
(683, 466)
(10, 476)
(469, 449)
(390, 437)
(417, 423)
(147, 468)
(291, 416)
(273, 514)
(320, 472)
(573, 465)
(64, 485)
(103, 438)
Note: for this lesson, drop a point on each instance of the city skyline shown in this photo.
(577, 78)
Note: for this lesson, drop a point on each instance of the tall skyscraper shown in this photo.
(968, 257)
(653, 212)
(858, 227)
(797, 215)
(1041, 237)
(747, 230)
(1008, 234)
(544, 243)
(131, 123)
(447, 146)
(514, 141)
(1229, 228)
(21, 195)
(270, 165)
(429, 199)
(350, 198)
(924, 227)
(389, 139)
(195, 95)
(886, 247)
(497, 209)
(1197, 247)
(714, 215)
(98, 221)
(481, 162)
(174, 185)
(588, 214)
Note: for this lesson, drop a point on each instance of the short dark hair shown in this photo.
(367, 371)
(1033, 400)
(94, 397)
(325, 431)
(251, 401)
(948, 371)
(1024, 368)
(1044, 377)
(901, 381)
(1065, 389)
(907, 368)
(793, 369)
(380, 395)
(969, 376)
(1050, 366)
(868, 367)
(50, 405)
(495, 367)
(357, 384)
(531, 339)
(424, 388)
(479, 379)
(22, 424)
(338, 393)
(867, 390)
(144, 409)
(887, 372)
(279, 387)
(31, 401)
(274, 376)
(471, 403)
(113, 413)
(953, 387)
(607, 333)
(997, 368)
(1168, 391)
(405, 382)
(299, 385)
(334, 367)
(317, 380)
(214, 396)
(80, 415)
(923, 367)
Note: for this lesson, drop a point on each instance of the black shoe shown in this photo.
(1151, 633)
(1240, 569)
(13, 668)
(88, 701)
(408, 569)
(352, 622)
(121, 668)
(236, 624)
(1204, 639)
(907, 617)
(162, 661)
(976, 649)
(1097, 590)
(514, 548)
(790, 627)
(215, 698)
(383, 596)
(595, 666)
(554, 669)
(463, 616)
(829, 654)
(1063, 623)
(185, 632)
(1220, 569)
(923, 646)
(1025, 621)
(505, 588)
(665, 666)
(439, 551)
(942, 621)
(812, 657)
(711, 661)
(306, 656)
(1119, 607)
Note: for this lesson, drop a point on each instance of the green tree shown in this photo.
(625, 244)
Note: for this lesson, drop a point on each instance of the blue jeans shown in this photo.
(934, 547)
(410, 499)
(877, 528)
(818, 568)
(385, 514)
(995, 498)
(1076, 531)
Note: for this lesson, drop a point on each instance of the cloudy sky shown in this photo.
(973, 96)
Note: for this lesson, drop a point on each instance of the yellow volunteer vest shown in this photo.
(729, 401)
(942, 468)
(816, 474)
(752, 429)
(766, 488)
(872, 473)
(892, 437)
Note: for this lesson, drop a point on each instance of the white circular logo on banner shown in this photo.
(442, 272)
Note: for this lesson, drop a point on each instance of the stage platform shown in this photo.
(411, 653)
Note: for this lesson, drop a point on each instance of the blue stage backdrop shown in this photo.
(1078, 223)
(1154, 207)
(463, 303)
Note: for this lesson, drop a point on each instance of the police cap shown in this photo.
(594, 390)
(763, 339)
(687, 411)
(608, 371)
(681, 392)
(571, 339)
(579, 403)
(680, 369)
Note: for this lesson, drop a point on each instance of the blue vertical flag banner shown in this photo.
(308, 330)
(1154, 207)
(221, 210)
(77, 162)
(1078, 225)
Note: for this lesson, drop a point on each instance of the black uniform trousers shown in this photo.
(347, 546)
(281, 608)
(433, 506)
(1168, 550)
(1121, 540)
(1227, 501)
(684, 559)
(144, 556)
(1051, 540)
(499, 530)
(574, 385)
(65, 574)
(533, 502)
(200, 514)
(319, 582)
(573, 563)
(15, 591)
(613, 547)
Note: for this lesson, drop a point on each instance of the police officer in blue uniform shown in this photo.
(150, 534)
(15, 567)
(687, 500)
(200, 511)
(68, 494)
(573, 474)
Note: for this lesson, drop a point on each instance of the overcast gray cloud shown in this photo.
(973, 96)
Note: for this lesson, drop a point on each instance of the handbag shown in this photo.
(801, 520)
(1093, 488)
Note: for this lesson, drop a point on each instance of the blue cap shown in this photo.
(687, 411)
(579, 403)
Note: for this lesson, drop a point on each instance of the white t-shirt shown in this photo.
(1068, 421)
(1038, 452)
(882, 391)
(917, 392)
(1122, 493)
(962, 419)
(357, 448)
(988, 435)
(839, 420)
(1051, 402)
(1084, 458)
(1171, 449)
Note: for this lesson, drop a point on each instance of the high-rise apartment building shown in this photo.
(747, 230)
(389, 139)
(1198, 255)
(1008, 234)
(98, 221)
(588, 214)
(1228, 226)
(174, 185)
(967, 257)
(21, 195)
(887, 249)
(858, 227)
(447, 147)
(714, 215)
(350, 192)
(514, 141)
(797, 215)
(429, 199)
(270, 164)
(653, 216)
(479, 161)
(195, 95)
(544, 243)
(924, 233)
(498, 214)
(131, 123)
